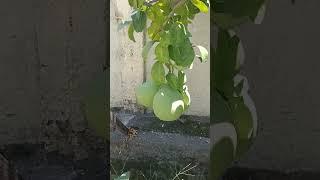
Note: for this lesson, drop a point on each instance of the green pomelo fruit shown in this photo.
(145, 93)
(168, 104)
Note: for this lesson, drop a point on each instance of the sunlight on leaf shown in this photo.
(203, 53)
(130, 33)
(200, 5)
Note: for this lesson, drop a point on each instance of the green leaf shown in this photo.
(238, 88)
(152, 29)
(182, 79)
(124, 176)
(221, 111)
(243, 147)
(140, 3)
(133, 3)
(203, 53)
(165, 6)
(193, 10)
(260, 15)
(158, 73)
(155, 13)
(177, 34)
(243, 121)
(224, 68)
(200, 5)
(146, 49)
(172, 80)
(136, 3)
(183, 12)
(182, 55)
(130, 33)
(139, 20)
(162, 53)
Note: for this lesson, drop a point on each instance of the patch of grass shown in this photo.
(155, 170)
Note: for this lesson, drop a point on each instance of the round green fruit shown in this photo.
(168, 104)
(145, 93)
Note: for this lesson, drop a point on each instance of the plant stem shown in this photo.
(178, 3)
(149, 3)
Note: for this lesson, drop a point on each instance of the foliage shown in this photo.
(166, 23)
(234, 118)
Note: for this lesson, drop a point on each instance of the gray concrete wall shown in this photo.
(125, 58)
(49, 50)
(19, 75)
(282, 65)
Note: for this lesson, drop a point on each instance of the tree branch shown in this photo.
(177, 4)
(149, 3)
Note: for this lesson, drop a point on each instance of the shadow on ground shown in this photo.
(237, 173)
(33, 164)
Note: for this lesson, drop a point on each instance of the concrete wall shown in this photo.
(49, 50)
(199, 76)
(127, 64)
(282, 66)
(19, 75)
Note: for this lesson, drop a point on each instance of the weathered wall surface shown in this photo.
(19, 75)
(49, 50)
(71, 40)
(125, 57)
(282, 66)
(199, 76)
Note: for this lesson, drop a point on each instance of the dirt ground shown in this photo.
(237, 173)
(33, 164)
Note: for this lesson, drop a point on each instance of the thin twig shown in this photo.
(149, 3)
(184, 171)
(124, 164)
(115, 171)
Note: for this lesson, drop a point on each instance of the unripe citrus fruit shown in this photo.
(145, 93)
(168, 104)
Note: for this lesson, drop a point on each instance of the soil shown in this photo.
(149, 169)
(33, 164)
(238, 173)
